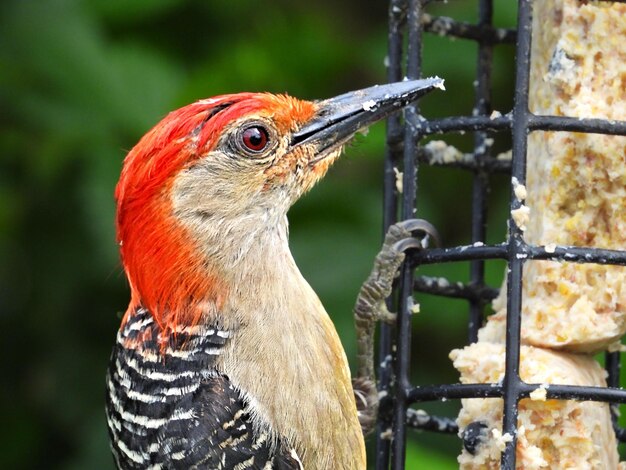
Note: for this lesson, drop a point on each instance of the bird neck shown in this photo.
(283, 335)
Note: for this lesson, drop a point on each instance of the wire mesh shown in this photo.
(408, 22)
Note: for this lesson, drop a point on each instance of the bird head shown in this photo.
(217, 169)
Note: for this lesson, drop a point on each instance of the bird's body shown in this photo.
(226, 358)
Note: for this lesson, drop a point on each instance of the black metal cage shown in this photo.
(407, 25)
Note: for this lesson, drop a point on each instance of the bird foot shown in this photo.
(371, 307)
(412, 233)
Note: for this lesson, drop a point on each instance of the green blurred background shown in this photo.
(81, 81)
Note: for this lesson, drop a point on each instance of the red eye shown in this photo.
(255, 138)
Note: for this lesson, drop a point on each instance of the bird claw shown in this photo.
(405, 235)
(384, 315)
(366, 396)
(412, 233)
(371, 307)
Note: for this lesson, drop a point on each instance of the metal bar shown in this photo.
(465, 161)
(512, 381)
(577, 392)
(573, 254)
(497, 390)
(571, 124)
(419, 419)
(442, 287)
(402, 361)
(454, 391)
(482, 32)
(459, 253)
(403, 341)
(576, 254)
(390, 203)
(480, 186)
(535, 123)
(466, 124)
(612, 366)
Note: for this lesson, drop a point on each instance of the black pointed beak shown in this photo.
(339, 118)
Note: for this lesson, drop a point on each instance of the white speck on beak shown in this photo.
(369, 105)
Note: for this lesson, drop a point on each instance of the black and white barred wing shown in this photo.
(221, 436)
(171, 409)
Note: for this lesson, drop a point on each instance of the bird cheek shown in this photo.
(274, 176)
(283, 171)
(319, 166)
(313, 174)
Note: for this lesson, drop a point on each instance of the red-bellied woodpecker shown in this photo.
(226, 359)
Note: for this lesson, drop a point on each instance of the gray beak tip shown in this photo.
(432, 82)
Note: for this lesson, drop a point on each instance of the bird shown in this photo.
(225, 357)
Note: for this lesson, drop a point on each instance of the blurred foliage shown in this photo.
(81, 81)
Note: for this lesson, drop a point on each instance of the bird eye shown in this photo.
(254, 139)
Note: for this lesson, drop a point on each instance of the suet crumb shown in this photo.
(521, 216)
